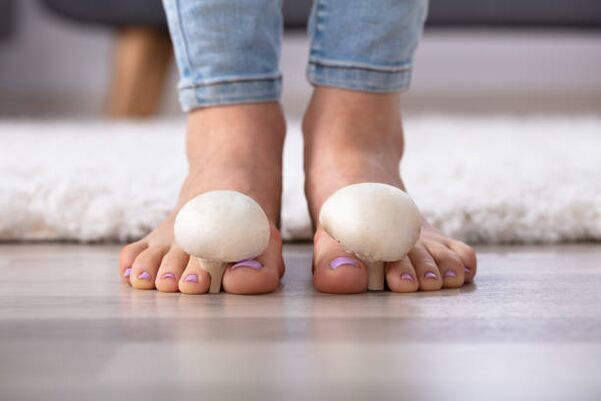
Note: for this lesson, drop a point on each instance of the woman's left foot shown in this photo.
(353, 137)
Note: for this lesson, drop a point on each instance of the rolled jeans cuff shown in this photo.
(359, 77)
(224, 92)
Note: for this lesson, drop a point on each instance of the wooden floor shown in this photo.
(530, 328)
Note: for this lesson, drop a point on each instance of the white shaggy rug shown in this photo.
(486, 179)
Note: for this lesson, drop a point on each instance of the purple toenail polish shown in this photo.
(406, 276)
(430, 275)
(144, 276)
(191, 278)
(127, 272)
(450, 274)
(467, 270)
(167, 275)
(250, 263)
(343, 260)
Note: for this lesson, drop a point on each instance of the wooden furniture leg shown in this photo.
(140, 62)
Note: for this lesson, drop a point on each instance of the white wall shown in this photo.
(52, 66)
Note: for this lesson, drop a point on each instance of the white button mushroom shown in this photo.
(220, 227)
(377, 222)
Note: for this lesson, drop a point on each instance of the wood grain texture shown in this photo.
(530, 328)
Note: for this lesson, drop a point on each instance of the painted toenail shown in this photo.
(343, 260)
(250, 263)
(191, 278)
(467, 270)
(406, 276)
(127, 272)
(430, 275)
(144, 276)
(450, 274)
(167, 275)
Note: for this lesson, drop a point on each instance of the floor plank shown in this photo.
(530, 328)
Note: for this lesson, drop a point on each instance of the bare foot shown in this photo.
(353, 137)
(232, 147)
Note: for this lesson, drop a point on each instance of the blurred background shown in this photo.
(113, 58)
(503, 120)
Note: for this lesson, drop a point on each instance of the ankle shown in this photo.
(361, 126)
(244, 130)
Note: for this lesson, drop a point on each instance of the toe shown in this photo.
(449, 264)
(259, 275)
(468, 256)
(194, 280)
(145, 267)
(401, 276)
(426, 269)
(129, 253)
(335, 271)
(170, 270)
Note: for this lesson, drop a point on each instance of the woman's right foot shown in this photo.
(228, 148)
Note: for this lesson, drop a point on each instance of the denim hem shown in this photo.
(361, 78)
(193, 96)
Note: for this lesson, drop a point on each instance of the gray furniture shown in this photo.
(147, 12)
(524, 13)
(516, 13)
(6, 18)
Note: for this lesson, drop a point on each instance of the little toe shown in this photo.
(145, 267)
(401, 276)
(194, 280)
(426, 270)
(170, 270)
(335, 271)
(449, 264)
(468, 256)
(128, 254)
(260, 275)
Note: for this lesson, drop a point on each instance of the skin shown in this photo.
(353, 137)
(231, 147)
(350, 137)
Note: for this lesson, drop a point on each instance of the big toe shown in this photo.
(260, 275)
(335, 271)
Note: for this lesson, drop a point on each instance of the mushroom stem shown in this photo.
(215, 270)
(375, 276)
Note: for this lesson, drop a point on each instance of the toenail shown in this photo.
(450, 274)
(407, 276)
(144, 276)
(430, 275)
(127, 272)
(191, 278)
(250, 263)
(467, 270)
(167, 275)
(343, 260)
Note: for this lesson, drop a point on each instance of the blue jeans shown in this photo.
(227, 51)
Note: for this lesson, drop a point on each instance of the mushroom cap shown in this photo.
(377, 222)
(224, 226)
